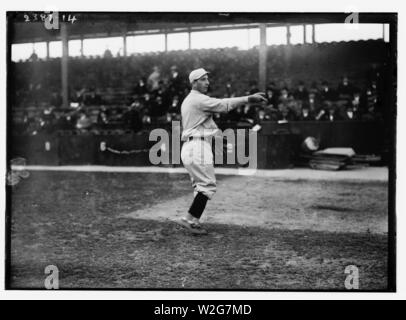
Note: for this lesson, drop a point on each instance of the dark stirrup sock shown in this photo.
(198, 205)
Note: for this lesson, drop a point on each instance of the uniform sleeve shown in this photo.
(214, 105)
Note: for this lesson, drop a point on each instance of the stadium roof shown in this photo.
(22, 28)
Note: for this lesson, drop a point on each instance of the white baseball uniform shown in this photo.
(198, 130)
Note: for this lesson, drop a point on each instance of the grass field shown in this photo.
(116, 230)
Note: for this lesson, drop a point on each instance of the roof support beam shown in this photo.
(288, 34)
(82, 54)
(189, 39)
(125, 45)
(262, 57)
(313, 33)
(47, 50)
(64, 65)
(304, 34)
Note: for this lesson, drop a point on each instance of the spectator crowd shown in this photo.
(131, 93)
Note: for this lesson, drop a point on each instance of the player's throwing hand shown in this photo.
(257, 97)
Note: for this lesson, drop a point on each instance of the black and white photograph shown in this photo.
(203, 151)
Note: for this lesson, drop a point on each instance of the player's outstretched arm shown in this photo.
(226, 105)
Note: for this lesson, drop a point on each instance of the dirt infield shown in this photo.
(293, 205)
(115, 230)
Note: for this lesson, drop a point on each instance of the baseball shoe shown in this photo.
(193, 227)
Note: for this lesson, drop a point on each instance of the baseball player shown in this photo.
(198, 130)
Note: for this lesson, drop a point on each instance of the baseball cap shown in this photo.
(197, 74)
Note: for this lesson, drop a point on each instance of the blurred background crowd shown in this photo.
(339, 81)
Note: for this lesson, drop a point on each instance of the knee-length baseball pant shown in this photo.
(197, 158)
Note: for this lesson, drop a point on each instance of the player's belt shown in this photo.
(196, 138)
